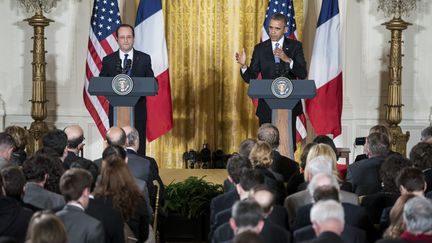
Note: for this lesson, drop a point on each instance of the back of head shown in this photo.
(319, 164)
(417, 215)
(270, 134)
(132, 136)
(247, 237)
(88, 166)
(377, 144)
(329, 210)
(36, 167)
(426, 135)
(246, 147)
(57, 140)
(412, 180)
(236, 163)
(13, 181)
(392, 166)
(246, 213)
(264, 196)
(7, 143)
(73, 183)
(116, 136)
(19, 135)
(75, 136)
(261, 155)
(380, 129)
(396, 217)
(326, 193)
(250, 178)
(326, 140)
(46, 227)
(320, 180)
(421, 155)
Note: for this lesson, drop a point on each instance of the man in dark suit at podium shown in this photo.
(275, 57)
(135, 64)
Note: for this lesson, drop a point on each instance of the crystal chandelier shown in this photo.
(37, 6)
(396, 8)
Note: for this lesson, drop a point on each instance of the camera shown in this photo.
(360, 141)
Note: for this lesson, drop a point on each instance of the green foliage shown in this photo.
(190, 198)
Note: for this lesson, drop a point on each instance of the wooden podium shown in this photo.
(282, 107)
(123, 113)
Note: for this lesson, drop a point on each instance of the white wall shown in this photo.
(365, 49)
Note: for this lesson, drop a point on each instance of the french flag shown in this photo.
(150, 38)
(325, 109)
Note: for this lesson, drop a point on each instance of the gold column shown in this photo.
(394, 99)
(39, 108)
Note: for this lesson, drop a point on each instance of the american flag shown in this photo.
(285, 7)
(102, 41)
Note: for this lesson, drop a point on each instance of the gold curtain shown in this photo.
(210, 102)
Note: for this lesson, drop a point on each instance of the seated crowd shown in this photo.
(56, 195)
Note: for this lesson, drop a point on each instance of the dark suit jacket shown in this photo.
(355, 216)
(141, 67)
(263, 62)
(14, 218)
(327, 237)
(364, 175)
(81, 227)
(222, 202)
(270, 233)
(349, 235)
(102, 209)
(284, 166)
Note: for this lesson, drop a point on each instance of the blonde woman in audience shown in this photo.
(46, 227)
(261, 158)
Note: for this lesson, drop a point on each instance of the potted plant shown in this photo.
(187, 206)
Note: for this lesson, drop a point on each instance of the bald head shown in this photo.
(116, 136)
(75, 136)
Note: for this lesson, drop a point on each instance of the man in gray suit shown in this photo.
(75, 186)
(36, 172)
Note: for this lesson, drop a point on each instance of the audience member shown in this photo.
(89, 166)
(328, 221)
(249, 178)
(246, 147)
(262, 159)
(7, 146)
(247, 216)
(75, 139)
(281, 164)
(364, 174)
(396, 226)
(35, 169)
(376, 203)
(417, 214)
(75, 186)
(276, 214)
(298, 179)
(421, 156)
(14, 218)
(46, 227)
(235, 166)
(57, 140)
(426, 135)
(20, 137)
(379, 129)
(117, 191)
(55, 170)
(411, 180)
(135, 162)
